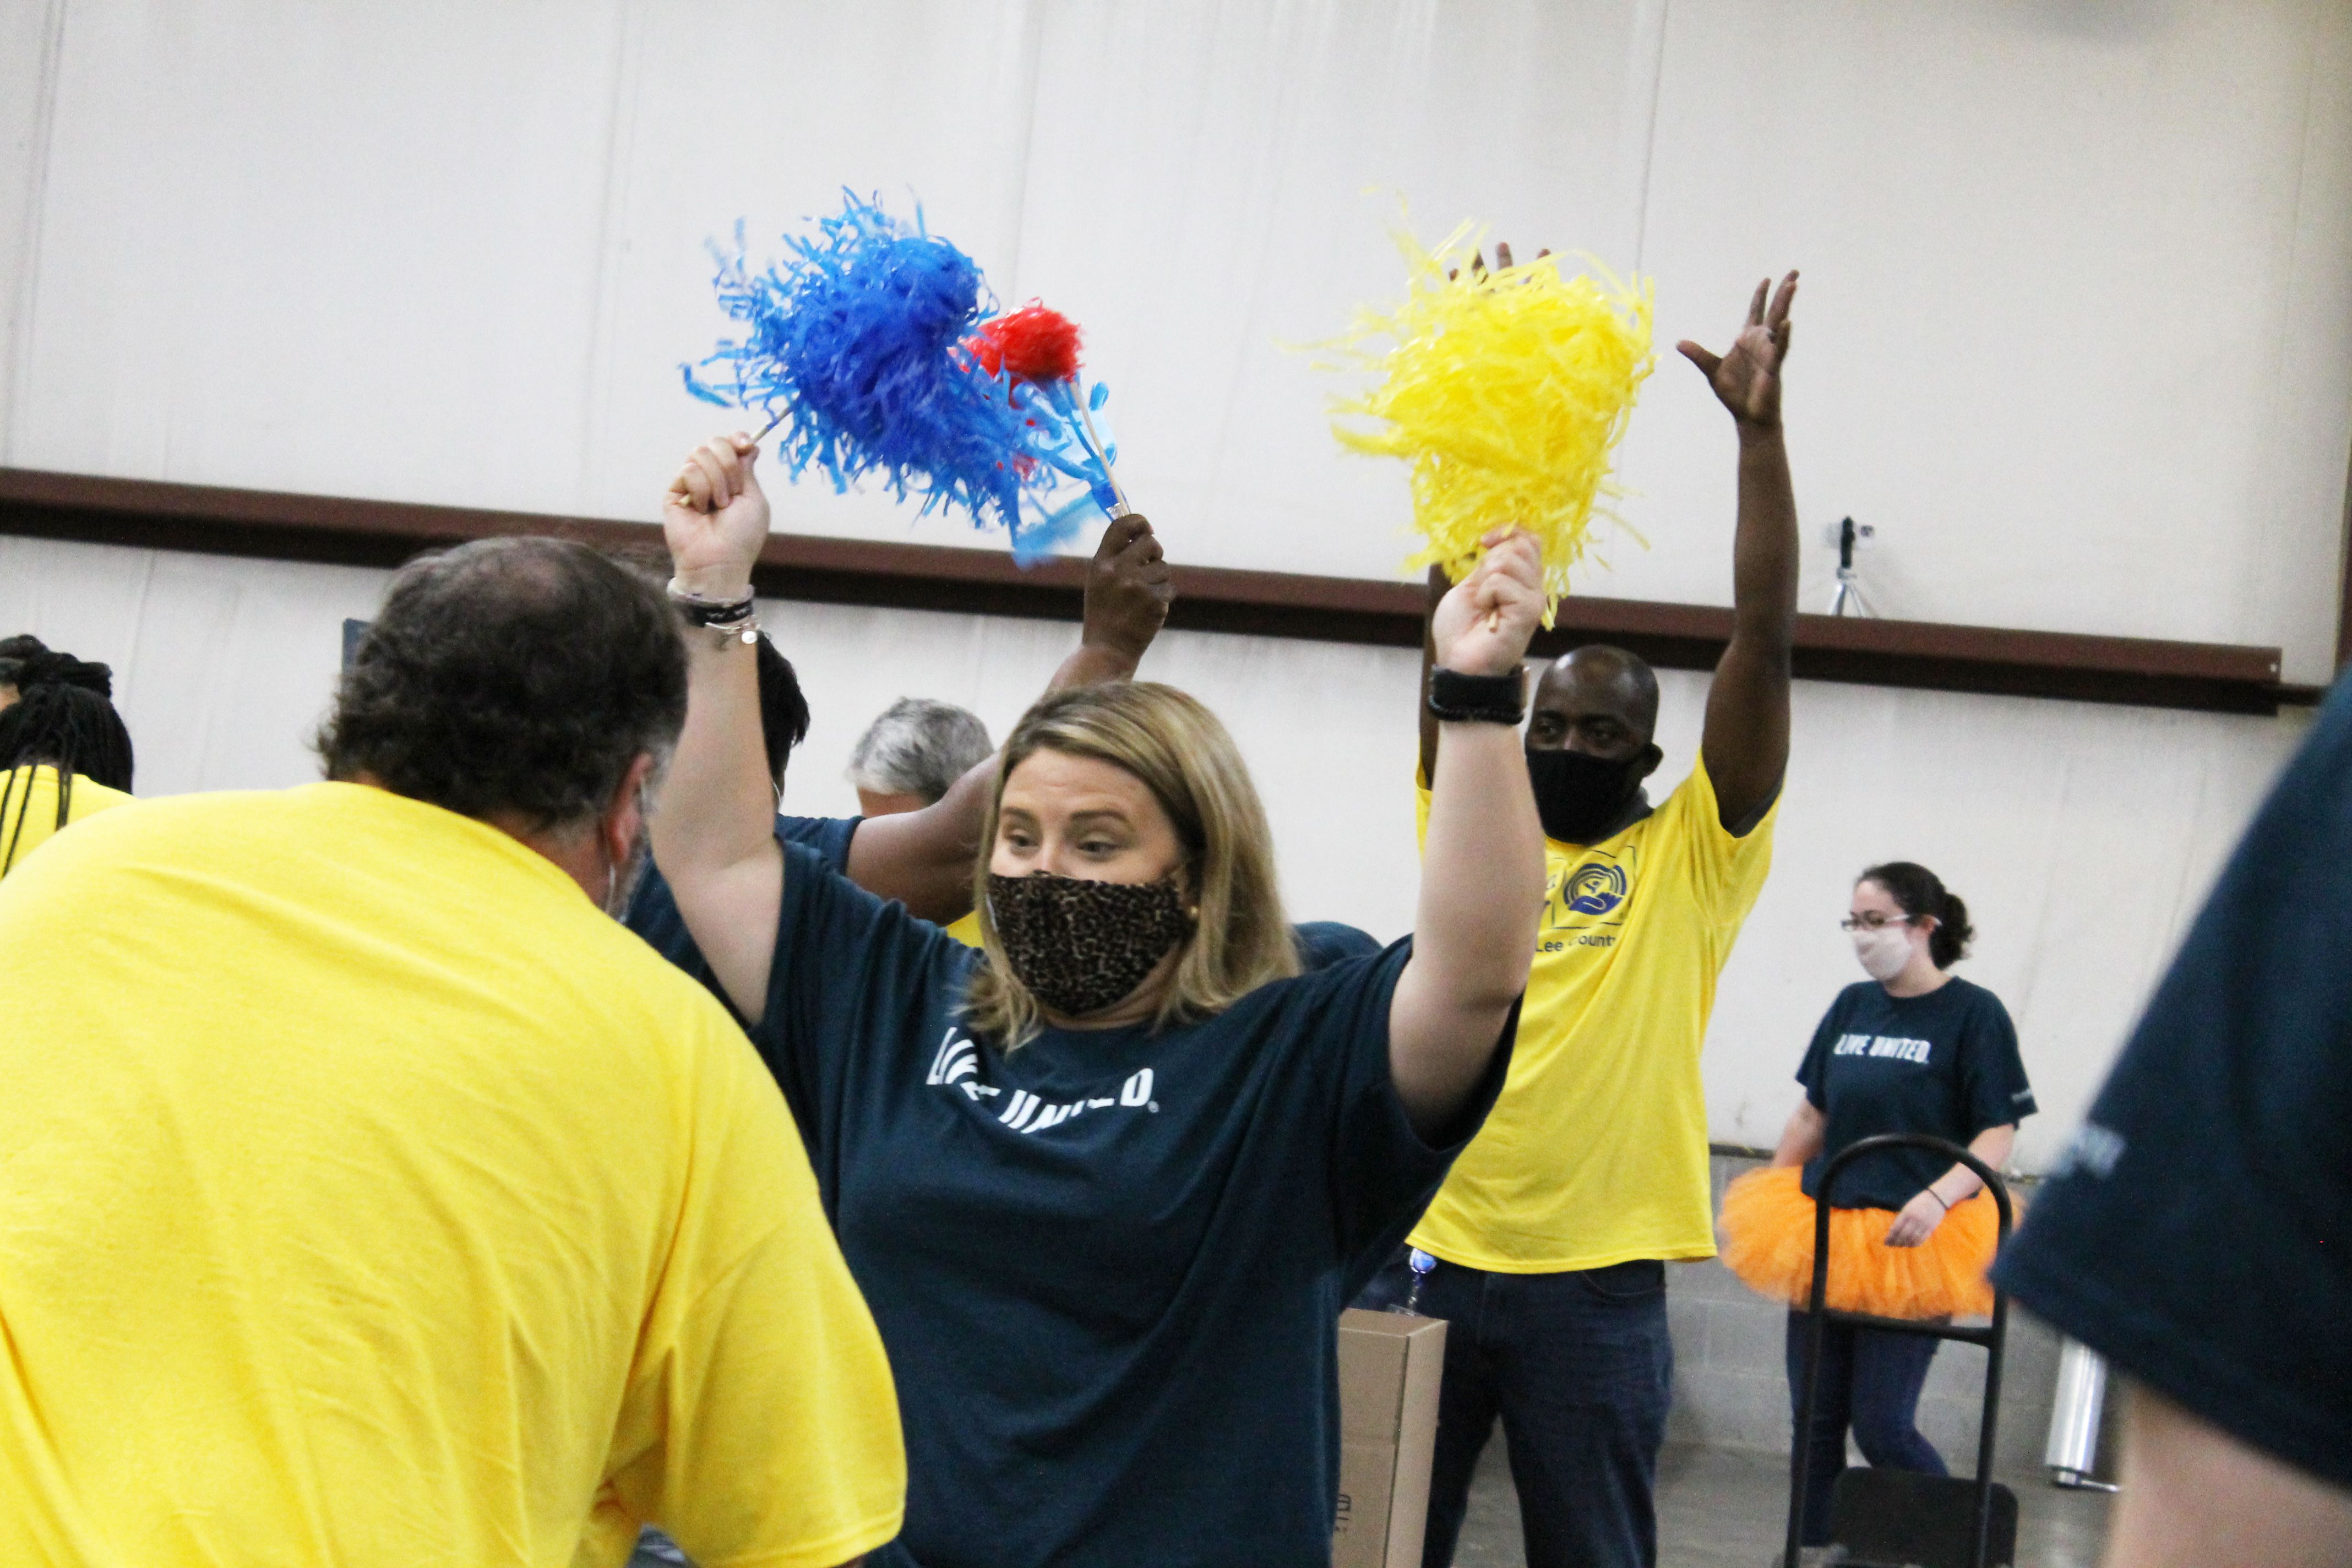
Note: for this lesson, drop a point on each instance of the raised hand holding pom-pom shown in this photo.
(715, 519)
(1482, 625)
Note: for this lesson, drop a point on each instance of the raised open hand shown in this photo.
(1129, 589)
(1482, 626)
(715, 518)
(1748, 379)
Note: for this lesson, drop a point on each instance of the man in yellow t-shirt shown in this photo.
(318, 1243)
(1546, 1249)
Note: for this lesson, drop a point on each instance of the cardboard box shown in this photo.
(1390, 1365)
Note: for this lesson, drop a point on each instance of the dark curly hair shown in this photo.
(1919, 892)
(521, 676)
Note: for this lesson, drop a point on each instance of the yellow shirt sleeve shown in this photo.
(1727, 871)
(967, 930)
(759, 1425)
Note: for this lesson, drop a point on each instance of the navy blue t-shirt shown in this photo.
(1322, 943)
(653, 908)
(1944, 1064)
(2198, 1230)
(1106, 1265)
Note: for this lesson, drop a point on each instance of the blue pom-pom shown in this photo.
(855, 339)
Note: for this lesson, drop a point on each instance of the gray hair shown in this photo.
(919, 747)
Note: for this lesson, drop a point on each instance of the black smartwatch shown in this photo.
(1458, 699)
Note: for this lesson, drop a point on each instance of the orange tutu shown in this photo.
(1768, 1241)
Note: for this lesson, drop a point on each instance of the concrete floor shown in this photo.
(1728, 1507)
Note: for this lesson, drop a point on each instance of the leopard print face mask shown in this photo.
(1081, 946)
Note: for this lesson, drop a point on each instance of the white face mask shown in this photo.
(1884, 952)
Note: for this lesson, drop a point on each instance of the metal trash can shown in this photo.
(2072, 1452)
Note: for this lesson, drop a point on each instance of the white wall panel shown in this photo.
(2081, 837)
(29, 37)
(2062, 340)
(1246, 203)
(344, 249)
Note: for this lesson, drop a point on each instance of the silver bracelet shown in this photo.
(730, 618)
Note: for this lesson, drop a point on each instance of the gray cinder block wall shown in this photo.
(1731, 1385)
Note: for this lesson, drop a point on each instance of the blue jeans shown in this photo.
(1579, 1367)
(1870, 1381)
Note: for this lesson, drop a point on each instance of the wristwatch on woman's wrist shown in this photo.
(1458, 699)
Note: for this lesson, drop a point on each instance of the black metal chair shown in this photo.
(1894, 1519)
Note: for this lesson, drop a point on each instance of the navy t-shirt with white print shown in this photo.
(1106, 1265)
(1945, 1064)
(653, 908)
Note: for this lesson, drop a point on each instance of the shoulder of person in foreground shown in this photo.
(2220, 1148)
(104, 836)
(2194, 1496)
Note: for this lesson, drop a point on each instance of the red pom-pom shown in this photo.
(1033, 343)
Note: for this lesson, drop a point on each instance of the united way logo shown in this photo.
(957, 1065)
(1595, 890)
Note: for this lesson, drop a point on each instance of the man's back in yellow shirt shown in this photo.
(373, 1197)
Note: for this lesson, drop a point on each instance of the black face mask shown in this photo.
(1081, 946)
(1580, 796)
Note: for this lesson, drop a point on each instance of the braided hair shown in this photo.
(62, 718)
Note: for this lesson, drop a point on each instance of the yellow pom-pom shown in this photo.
(1507, 391)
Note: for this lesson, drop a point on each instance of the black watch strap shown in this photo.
(1458, 699)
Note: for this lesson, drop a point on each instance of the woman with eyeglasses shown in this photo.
(1913, 1048)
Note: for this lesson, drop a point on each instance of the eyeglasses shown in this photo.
(1874, 920)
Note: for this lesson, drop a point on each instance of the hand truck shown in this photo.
(1893, 1519)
